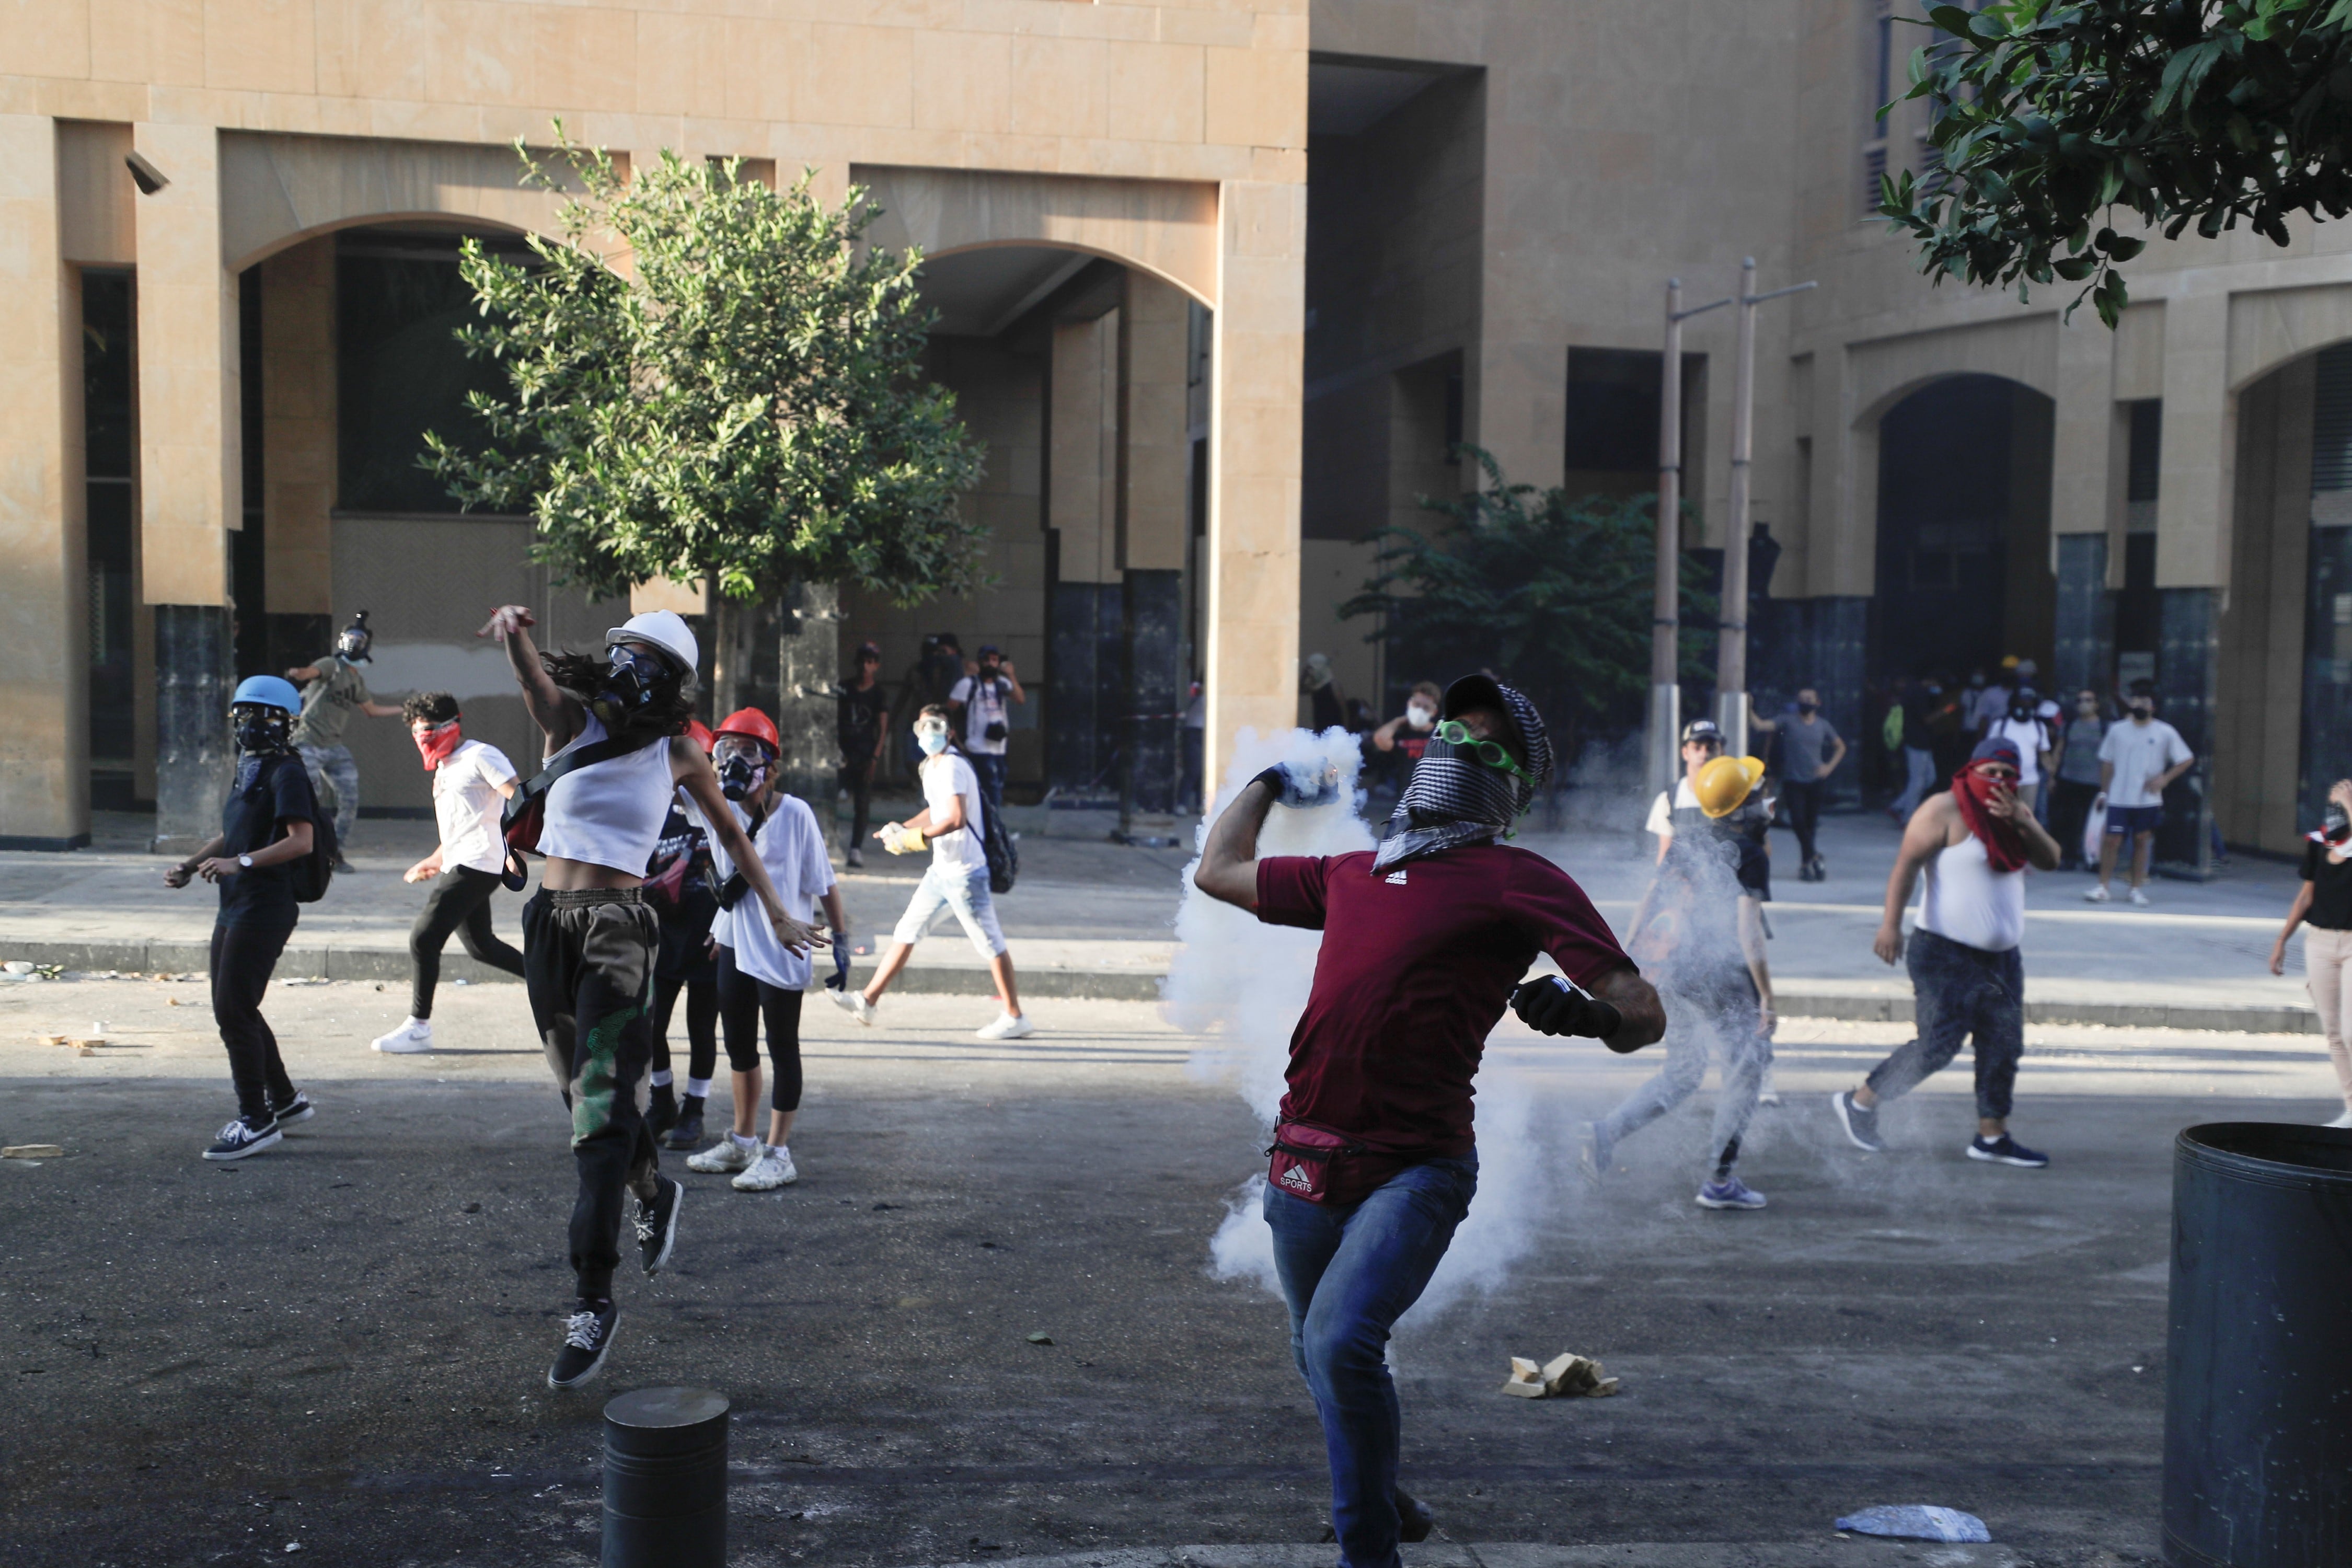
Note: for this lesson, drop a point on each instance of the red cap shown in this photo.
(699, 734)
(754, 725)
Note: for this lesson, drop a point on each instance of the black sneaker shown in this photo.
(657, 1225)
(587, 1335)
(298, 1109)
(686, 1132)
(2005, 1151)
(1414, 1522)
(661, 1109)
(340, 867)
(1861, 1126)
(241, 1138)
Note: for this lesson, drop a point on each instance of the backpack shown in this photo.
(1003, 855)
(308, 877)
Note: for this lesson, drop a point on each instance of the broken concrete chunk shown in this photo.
(1524, 1388)
(1565, 1376)
(1525, 1370)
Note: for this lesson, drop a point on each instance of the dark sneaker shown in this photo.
(2005, 1151)
(241, 1138)
(686, 1132)
(1414, 1522)
(1730, 1193)
(298, 1109)
(587, 1335)
(1861, 1126)
(340, 867)
(661, 1111)
(657, 1225)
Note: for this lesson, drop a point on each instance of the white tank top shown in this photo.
(1967, 902)
(609, 813)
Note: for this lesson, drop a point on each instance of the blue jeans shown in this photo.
(1349, 1272)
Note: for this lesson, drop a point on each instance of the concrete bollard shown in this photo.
(666, 1479)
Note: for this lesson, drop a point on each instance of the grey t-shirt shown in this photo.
(1804, 746)
(2081, 762)
(328, 702)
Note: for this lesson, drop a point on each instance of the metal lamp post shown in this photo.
(1663, 751)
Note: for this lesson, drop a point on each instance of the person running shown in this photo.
(1973, 844)
(589, 937)
(1699, 929)
(758, 979)
(864, 722)
(471, 781)
(1375, 1160)
(957, 880)
(266, 826)
(977, 707)
(1702, 743)
(2138, 760)
(681, 884)
(2323, 905)
(2076, 781)
(336, 690)
(1810, 750)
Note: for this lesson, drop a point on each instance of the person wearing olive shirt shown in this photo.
(265, 825)
(2324, 905)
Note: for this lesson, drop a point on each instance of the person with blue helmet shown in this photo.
(267, 827)
(335, 690)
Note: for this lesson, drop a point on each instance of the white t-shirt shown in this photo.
(945, 777)
(1661, 810)
(2030, 740)
(984, 704)
(466, 803)
(2139, 753)
(792, 850)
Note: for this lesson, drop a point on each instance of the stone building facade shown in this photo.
(1221, 286)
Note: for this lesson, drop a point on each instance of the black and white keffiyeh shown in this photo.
(1454, 798)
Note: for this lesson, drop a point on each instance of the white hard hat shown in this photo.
(663, 630)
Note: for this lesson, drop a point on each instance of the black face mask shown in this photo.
(1809, 709)
(261, 730)
(634, 682)
(2339, 826)
(740, 777)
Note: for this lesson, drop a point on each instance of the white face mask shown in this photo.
(1419, 716)
(933, 741)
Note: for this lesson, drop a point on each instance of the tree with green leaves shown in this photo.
(1551, 592)
(2048, 116)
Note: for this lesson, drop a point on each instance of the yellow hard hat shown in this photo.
(1724, 782)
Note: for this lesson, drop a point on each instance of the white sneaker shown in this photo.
(2342, 1121)
(415, 1035)
(2095, 896)
(1006, 1028)
(2139, 898)
(855, 1003)
(772, 1170)
(724, 1156)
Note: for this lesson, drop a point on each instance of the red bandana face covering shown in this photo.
(1972, 793)
(436, 744)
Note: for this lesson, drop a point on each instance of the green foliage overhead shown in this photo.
(2050, 115)
(1551, 592)
(746, 404)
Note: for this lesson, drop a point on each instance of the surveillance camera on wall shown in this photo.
(144, 174)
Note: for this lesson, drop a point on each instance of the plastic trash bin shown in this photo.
(666, 1479)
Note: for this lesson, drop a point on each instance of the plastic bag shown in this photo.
(2095, 827)
(1916, 1522)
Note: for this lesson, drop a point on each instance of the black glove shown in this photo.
(839, 979)
(1299, 790)
(1548, 1007)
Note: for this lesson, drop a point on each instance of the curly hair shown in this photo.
(578, 675)
(432, 707)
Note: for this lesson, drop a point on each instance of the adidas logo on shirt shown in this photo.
(1396, 878)
(1297, 1176)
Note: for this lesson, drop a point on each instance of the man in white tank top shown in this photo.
(1973, 844)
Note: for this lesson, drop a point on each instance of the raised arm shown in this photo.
(1228, 869)
(558, 716)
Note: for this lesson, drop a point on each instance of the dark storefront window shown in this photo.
(107, 395)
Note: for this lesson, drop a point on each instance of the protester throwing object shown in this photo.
(336, 690)
(1426, 941)
(471, 780)
(951, 824)
(1967, 979)
(1699, 930)
(617, 754)
(2323, 906)
(268, 831)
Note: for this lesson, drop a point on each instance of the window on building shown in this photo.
(399, 301)
(2331, 421)
(2145, 458)
(1881, 79)
(1613, 416)
(109, 397)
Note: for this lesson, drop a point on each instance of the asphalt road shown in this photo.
(340, 1344)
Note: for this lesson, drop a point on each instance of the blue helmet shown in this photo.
(270, 692)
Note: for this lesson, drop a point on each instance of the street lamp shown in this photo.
(1664, 750)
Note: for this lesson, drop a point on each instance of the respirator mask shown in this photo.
(634, 682)
(1419, 716)
(260, 729)
(741, 772)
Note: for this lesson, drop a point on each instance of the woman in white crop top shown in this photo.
(589, 938)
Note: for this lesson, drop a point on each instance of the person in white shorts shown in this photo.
(957, 880)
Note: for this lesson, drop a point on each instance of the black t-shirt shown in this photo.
(268, 790)
(2331, 888)
(863, 714)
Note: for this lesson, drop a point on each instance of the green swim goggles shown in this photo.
(1494, 754)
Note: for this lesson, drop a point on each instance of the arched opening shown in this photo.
(1964, 575)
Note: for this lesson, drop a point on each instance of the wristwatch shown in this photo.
(245, 861)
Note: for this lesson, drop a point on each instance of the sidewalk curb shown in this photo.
(2247, 1020)
(1836, 1552)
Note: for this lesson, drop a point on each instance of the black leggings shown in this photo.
(242, 958)
(742, 999)
(701, 1025)
(460, 902)
(858, 778)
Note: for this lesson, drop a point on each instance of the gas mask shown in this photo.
(741, 773)
(260, 729)
(353, 642)
(2023, 706)
(633, 682)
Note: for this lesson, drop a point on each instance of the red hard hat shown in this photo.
(754, 725)
(699, 734)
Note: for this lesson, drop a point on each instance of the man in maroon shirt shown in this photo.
(1426, 940)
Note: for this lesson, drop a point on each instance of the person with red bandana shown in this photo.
(471, 781)
(1967, 977)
